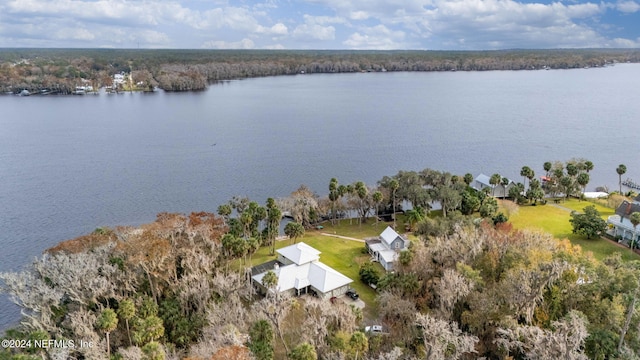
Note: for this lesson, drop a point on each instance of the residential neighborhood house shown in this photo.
(620, 225)
(499, 191)
(300, 271)
(386, 247)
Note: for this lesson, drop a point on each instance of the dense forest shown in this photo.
(62, 70)
(469, 287)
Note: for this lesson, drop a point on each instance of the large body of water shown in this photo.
(71, 164)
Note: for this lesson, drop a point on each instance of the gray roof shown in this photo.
(627, 208)
(389, 235)
(486, 180)
(483, 179)
(264, 267)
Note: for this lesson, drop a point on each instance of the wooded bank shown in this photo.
(62, 70)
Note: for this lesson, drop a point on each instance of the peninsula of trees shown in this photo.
(61, 71)
(470, 286)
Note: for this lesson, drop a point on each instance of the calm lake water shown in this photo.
(71, 164)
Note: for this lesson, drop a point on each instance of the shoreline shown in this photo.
(35, 70)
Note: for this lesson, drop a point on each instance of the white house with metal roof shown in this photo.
(386, 247)
(300, 271)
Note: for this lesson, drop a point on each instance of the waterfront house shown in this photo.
(386, 247)
(482, 181)
(300, 271)
(620, 226)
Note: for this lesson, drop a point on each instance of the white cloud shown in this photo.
(378, 37)
(277, 29)
(74, 33)
(139, 13)
(314, 32)
(487, 24)
(314, 29)
(379, 24)
(154, 38)
(322, 20)
(625, 43)
(481, 24)
(628, 6)
(359, 15)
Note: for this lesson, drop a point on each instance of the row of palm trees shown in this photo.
(417, 188)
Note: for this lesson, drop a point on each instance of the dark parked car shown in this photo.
(352, 294)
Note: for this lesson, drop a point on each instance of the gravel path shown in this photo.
(342, 237)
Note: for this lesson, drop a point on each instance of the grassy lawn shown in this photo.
(578, 205)
(555, 221)
(351, 228)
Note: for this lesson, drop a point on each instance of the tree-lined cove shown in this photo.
(100, 162)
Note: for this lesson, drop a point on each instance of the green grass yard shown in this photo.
(555, 220)
(351, 228)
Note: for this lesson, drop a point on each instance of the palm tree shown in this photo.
(468, 179)
(294, 230)
(635, 220)
(494, 180)
(127, 310)
(377, 199)
(394, 185)
(334, 195)
(572, 169)
(154, 351)
(253, 244)
(228, 240)
(361, 190)
(588, 166)
(261, 331)
(415, 215)
(246, 219)
(547, 167)
(270, 279)
(304, 351)
(621, 169)
(225, 210)
(505, 184)
(583, 180)
(274, 215)
(567, 185)
(107, 322)
(526, 173)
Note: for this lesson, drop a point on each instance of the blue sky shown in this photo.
(320, 24)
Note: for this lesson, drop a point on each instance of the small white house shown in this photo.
(386, 247)
(118, 79)
(300, 271)
(621, 225)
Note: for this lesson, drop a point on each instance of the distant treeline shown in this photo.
(61, 70)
